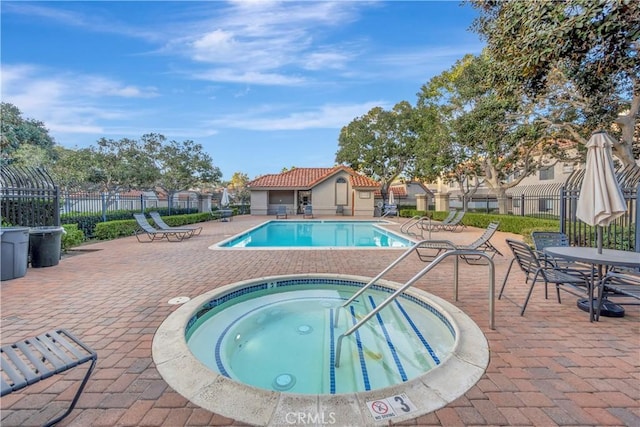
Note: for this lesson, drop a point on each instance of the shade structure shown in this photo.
(601, 201)
(224, 201)
(392, 200)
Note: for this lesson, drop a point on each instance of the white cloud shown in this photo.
(67, 102)
(229, 75)
(329, 116)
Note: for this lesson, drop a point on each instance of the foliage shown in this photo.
(16, 131)
(593, 45)
(482, 136)
(119, 166)
(182, 165)
(71, 237)
(380, 144)
(241, 193)
(123, 228)
(115, 229)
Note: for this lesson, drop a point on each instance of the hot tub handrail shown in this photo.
(379, 276)
(432, 264)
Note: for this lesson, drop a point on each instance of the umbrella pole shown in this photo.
(599, 238)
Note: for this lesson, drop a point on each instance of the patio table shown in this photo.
(607, 258)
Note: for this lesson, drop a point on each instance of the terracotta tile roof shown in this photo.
(309, 177)
(397, 192)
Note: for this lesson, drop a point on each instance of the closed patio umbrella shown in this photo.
(601, 201)
(392, 200)
(224, 201)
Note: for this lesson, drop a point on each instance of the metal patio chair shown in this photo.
(147, 233)
(538, 269)
(430, 249)
(157, 219)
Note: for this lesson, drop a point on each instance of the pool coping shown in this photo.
(219, 394)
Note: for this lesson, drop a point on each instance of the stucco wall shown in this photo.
(259, 202)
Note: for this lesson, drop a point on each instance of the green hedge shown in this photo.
(126, 227)
(521, 225)
(87, 222)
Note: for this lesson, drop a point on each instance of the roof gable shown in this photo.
(307, 178)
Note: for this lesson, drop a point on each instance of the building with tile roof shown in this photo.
(328, 190)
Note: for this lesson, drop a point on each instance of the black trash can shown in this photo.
(45, 244)
(14, 252)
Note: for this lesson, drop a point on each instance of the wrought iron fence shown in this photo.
(623, 233)
(29, 197)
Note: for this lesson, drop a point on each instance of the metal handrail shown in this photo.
(408, 223)
(375, 279)
(456, 252)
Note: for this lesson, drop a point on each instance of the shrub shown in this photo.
(114, 229)
(71, 237)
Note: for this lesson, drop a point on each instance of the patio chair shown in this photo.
(430, 249)
(340, 210)
(540, 269)
(426, 224)
(34, 359)
(281, 212)
(390, 210)
(544, 239)
(622, 288)
(455, 224)
(151, 234)
(157, 219)
(308, 212)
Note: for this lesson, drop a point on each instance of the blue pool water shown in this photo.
(282, 337)
(318, 234)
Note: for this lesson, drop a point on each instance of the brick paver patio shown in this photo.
(550, 367)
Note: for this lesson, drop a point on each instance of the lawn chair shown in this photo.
(308, 212)
(281, 212)
(34, 359)
(540, 269)
(430, 249)
(426, 224)
(152, 234)
(455, 223)
(157, 219)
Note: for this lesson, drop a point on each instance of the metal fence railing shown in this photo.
(623, 233)
(28, 197)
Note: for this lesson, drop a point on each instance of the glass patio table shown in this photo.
(606, 258)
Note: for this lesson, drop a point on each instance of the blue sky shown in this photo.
(261, 85)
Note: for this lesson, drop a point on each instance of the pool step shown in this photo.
(386, 356)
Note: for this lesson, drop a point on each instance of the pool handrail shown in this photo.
(432, 264)
(411, 222)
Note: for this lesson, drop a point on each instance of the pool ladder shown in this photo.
(455, 252)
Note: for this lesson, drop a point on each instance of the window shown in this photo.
(342, 197)
(545, 205)
(546, 173)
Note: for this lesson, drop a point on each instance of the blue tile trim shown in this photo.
(426, 344)
(363, 365)
(332, 355)
(205, 308)
(392, 347)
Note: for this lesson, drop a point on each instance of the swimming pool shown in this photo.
(458, 370)
(317, 234)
